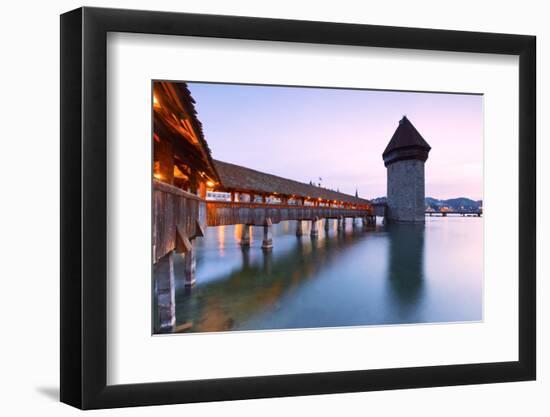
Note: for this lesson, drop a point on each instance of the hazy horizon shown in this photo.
(339, 135)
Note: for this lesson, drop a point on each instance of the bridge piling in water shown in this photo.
(165, 290)
(341, 223)
(267, 243)
(327, 224)
(245, 235)
(190, 266)
(314, 231)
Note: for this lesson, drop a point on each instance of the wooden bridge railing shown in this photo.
(223, 213)
(175, 211)
(179, 215)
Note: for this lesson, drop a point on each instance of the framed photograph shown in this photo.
(256, 208)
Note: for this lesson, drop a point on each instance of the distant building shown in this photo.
(404, 158)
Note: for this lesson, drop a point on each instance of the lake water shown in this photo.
(389, 274)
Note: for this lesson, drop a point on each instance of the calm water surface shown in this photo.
(383, 275)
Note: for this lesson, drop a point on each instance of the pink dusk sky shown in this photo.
(339, 134)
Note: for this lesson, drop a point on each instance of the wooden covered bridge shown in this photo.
(192, 191)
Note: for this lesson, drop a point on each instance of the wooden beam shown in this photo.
(164, 153)
(183, 150)
(183, 244)
(199, 231)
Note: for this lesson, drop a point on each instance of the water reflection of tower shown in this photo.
(406, 267)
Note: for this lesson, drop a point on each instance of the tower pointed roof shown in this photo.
(406, 143)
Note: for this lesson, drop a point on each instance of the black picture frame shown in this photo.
(84, 207)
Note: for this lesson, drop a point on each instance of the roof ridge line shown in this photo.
(292, 180)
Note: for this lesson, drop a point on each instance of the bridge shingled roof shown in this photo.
(245, 179)
(406, 136)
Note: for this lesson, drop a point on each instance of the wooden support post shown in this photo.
(190, 265)
(165, 292)
(245, 235)
(299, 229)
(267, 243)
(201, 189)
(194, 182)
(165, 154)
(314, 231)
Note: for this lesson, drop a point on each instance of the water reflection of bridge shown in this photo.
(258, 293)
(255, 288)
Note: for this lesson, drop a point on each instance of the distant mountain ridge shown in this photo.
(454, 204)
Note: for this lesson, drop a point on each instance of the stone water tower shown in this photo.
(404, 159)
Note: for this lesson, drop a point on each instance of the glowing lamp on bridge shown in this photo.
(155, 101)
